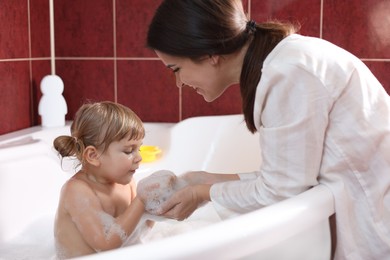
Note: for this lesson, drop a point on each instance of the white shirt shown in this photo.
(322, 118)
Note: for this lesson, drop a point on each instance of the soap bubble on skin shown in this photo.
(138, 234)
(61, 252)
(111, 227)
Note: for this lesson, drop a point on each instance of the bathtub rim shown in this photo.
(318, 201)
(159, 247)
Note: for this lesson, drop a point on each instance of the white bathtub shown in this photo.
(31, 177)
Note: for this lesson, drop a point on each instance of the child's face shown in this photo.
(119, 162)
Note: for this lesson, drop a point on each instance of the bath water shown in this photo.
(37, 241)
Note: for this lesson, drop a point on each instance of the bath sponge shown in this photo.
(155, 189)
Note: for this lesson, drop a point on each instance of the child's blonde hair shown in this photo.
(99, 124)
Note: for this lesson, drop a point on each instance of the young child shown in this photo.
(98, 208)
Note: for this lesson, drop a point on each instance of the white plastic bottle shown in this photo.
(52, 107)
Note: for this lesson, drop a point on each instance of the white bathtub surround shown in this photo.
(31, 177)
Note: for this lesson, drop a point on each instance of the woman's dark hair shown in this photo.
(195, 28)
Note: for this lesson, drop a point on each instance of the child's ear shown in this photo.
(91, 155)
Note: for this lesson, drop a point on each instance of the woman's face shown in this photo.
(205, 77)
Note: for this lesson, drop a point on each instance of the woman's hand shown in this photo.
(185, 201)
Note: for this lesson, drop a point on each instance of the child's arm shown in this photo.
(100, 230)
(133, 190)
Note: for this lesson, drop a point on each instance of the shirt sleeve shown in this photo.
(293, 113)
(248, 175)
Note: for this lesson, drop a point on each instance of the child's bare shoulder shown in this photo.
(76, 186)
(77, 197)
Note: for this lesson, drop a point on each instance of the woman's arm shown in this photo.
(202, 177)
(292, 118)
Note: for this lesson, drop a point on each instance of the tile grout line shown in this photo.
(115, 58)
(180, 104)
(23, 59)
(52, 38)
(80, 58)
(321, 18)
(249, 9)
(30, 64)
(130, 58)
(369, 59)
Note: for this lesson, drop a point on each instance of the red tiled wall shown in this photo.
(100, 53)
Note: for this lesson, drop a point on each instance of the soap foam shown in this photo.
(37, 241)
(155, 189)
(111, 227)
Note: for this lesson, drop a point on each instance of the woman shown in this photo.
(321, 114)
